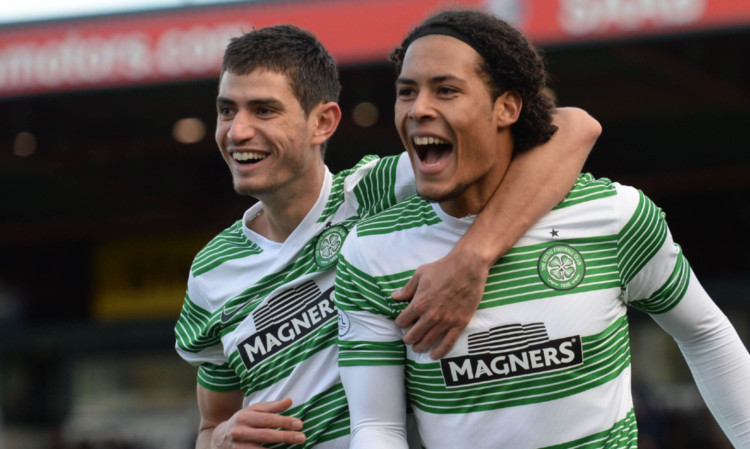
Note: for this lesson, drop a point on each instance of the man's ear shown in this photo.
(327, 118)
(507, 108)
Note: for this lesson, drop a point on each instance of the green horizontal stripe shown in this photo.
(324, 417)
(669, 294)
(605, 356)
(196, 329)
(640, 238)
(622, 435)
(281, 364)
(218, 377)
(411, 213)
(228, 245)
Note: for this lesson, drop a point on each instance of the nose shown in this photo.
(422, 107)
(242, 127)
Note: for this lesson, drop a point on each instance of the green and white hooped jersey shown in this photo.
(545, 361)
(258, 315)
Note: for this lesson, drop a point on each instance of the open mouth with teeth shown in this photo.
(248, 157)
(432, 150)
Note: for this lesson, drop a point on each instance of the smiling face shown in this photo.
(265, 137)
(457, 138)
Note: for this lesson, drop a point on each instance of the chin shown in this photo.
(437, 194)
(246, 190)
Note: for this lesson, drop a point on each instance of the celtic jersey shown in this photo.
(545, 361)
(258, 315)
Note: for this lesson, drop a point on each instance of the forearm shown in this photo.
(717, 359)
(377, 406)
(215, 409)
(204, 439)
(536, 181)
(721, 372)
(212, 434)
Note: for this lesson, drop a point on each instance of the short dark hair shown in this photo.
(292, 51)
(510, 63)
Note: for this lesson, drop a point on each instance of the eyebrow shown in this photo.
(254, 102)
(433, 80)
(224, 100)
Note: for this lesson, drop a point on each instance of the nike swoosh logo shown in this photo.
(225, 317)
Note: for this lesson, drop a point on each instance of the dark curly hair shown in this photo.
(291, 51)
(510, 62)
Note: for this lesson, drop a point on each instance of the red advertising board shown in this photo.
(174, 45)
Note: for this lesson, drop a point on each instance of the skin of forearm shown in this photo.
(536, 181)
(206, 435)
(204, 439)
(215, 409)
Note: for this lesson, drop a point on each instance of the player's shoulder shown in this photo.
(367, 160)
(601, 203)
(232, 234)
(409, 213)
(586, 189)
(365, 165)
(592, 191)
(368, 173)
(231, 243)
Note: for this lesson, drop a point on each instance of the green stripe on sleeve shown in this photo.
(218, 378)
(669, 294)
(641, 238)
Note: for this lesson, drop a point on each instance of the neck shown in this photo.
(474, 196)
(471, 201)
(282, 212)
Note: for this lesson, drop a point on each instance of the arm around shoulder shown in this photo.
(577, 132)
(536, 181)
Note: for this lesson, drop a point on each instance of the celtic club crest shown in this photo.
(561, 267)
(328, 245)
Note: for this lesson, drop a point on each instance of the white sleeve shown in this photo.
(196, 342)
(717, 358)
(371, 353)
(377, 406)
